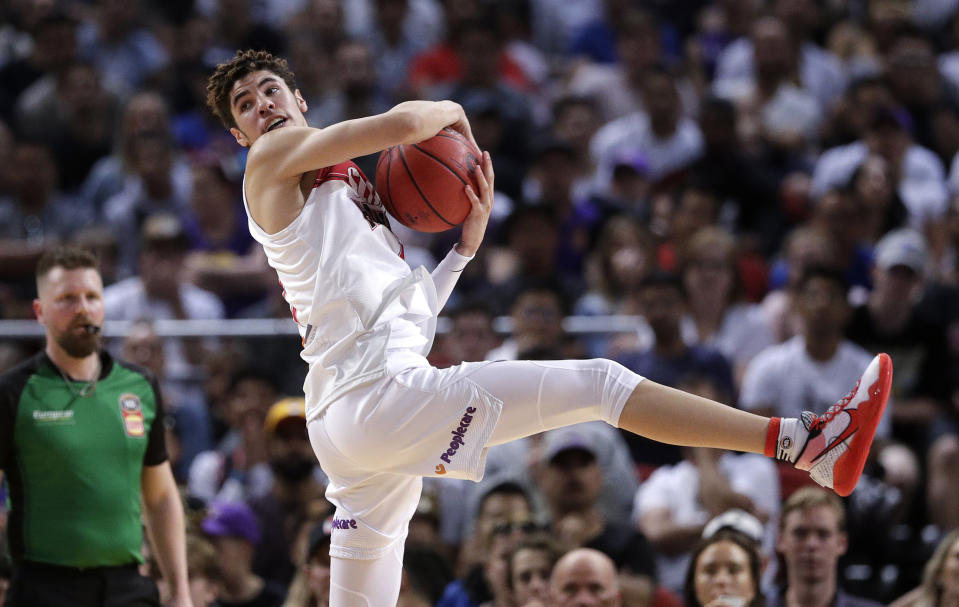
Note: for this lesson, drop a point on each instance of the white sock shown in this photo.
(792, 438)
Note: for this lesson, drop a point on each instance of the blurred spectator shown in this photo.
(202, 569)
(806, 372)
(724, 571)
(921, 178)
(53, 46)
(617, 85)
(237, 468)
(537, 315)
(234, 532)
(505, 509)
(39, 213)
(236, 28)
(940, 579)
(394, 43)
(160, 292)
(595, 40)
(804, 247)
(295, 486)
(146, 115)
(694, 207)
(872, 185)
(738, 175)
(889, 322)
(124, 51)
(183, 403)
(668, 139)
(528, 569)
(521, 461)
(676, 502)
(224, 259)
(311, 585)
(812, 538)
(471, 335)
(618, 263)
(570, 482)
(157, 184)
(916, 82)
(669, 360)
(585, 577)
(839, 215)
(815, 69)
(443, 63)
(714, 286)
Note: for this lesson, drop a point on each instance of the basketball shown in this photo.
(422, 184)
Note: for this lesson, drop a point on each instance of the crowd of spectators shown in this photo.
(768, 188)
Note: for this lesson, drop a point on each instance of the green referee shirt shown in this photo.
(74, 463)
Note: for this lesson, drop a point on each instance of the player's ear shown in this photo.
(240, 137)
(300, 102)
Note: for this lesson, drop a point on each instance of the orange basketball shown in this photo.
(422, 184)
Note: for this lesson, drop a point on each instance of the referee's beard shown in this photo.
(79, 341)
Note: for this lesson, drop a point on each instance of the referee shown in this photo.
(81, 444)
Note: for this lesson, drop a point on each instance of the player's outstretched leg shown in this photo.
(833, 447)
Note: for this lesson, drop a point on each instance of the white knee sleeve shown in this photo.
(367, 583)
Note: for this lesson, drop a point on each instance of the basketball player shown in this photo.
(379, 416)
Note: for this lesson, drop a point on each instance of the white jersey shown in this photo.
(351, 293)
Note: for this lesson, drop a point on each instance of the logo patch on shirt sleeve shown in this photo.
(132, 413)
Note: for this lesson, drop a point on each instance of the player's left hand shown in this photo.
(474, 227)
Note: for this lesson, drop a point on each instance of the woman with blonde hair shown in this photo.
(940, 578)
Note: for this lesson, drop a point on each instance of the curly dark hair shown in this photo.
(226, 74)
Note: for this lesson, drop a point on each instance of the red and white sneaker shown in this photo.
(839, 440)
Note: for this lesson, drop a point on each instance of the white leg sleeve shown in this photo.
(542, 395)
(367, 583)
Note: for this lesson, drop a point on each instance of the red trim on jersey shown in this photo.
(337, 172)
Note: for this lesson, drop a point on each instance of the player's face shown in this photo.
(70, 303)
(261, 102)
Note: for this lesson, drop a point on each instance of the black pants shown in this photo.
(42, 585)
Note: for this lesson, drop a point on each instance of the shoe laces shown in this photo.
(818, 421)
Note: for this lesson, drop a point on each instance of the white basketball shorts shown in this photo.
(377, 442)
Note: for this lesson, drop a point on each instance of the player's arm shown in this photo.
(163, 515)
(290, 152)
(448, 271)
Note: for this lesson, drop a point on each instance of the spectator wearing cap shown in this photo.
(674, 505)
(297, 483)
(889, 321)
(570, 480)
(161, 292)
(235, 533)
